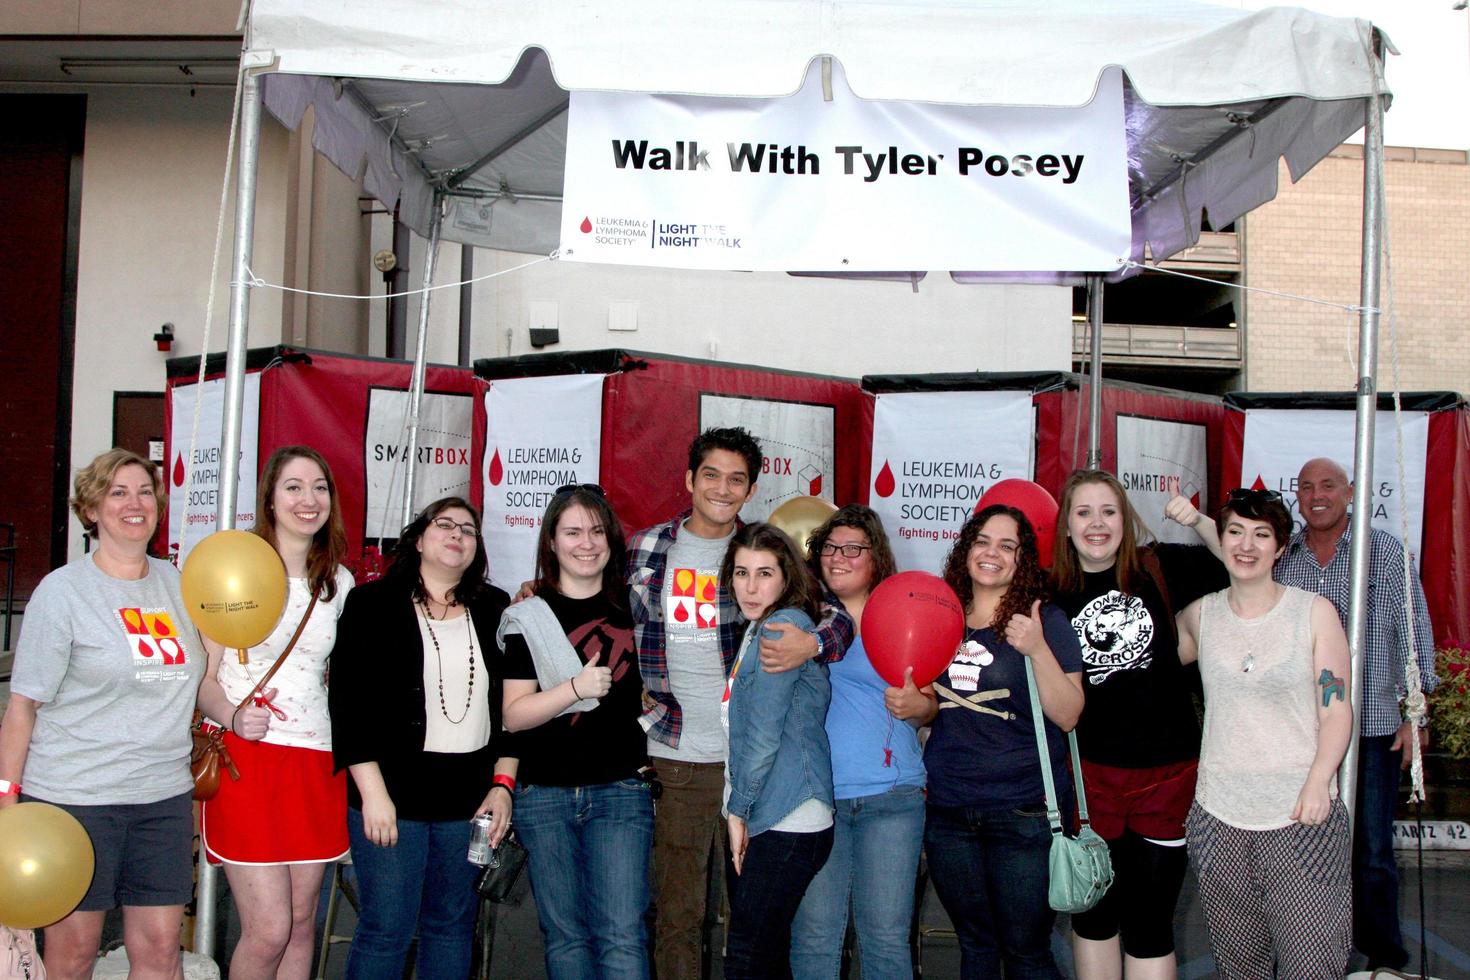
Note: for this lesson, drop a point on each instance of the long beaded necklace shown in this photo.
(439, 658)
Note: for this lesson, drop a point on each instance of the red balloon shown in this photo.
(1032, 500)
(912, 619)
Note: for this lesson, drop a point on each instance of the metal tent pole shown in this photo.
(229, 463)
(1367, 410)
(420, 360)
(1094, 370)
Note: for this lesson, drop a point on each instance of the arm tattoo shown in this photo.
(1331, 685)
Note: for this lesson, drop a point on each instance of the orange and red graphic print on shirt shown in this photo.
(693, 600)
(153, 639)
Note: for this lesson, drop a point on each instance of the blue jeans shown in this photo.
(778, 867)
(1375, 873)
(422, 885)
(875, 857)
(589, 850)
(989, 868)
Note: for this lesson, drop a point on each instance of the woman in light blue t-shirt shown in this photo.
(877, 774)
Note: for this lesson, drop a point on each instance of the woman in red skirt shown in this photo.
(277, 826)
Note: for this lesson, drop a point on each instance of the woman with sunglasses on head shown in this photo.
(1139, 735)
(573, 695)
(778, 780)
(1268, 838)
(415, 702)
(987, 836)
(877, 776)
(278, 826)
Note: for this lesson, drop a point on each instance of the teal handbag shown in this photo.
(1081, 867)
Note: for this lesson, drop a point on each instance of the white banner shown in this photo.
(540, 434)
(194, 507)
(797, 441)
(1158, 458)
(443, 468)
(1279, 440)
(849, 185)
(934, 455)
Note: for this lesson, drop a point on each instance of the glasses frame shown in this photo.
(468, 529)
(830, 550)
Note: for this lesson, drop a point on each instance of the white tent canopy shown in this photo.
(469, 99)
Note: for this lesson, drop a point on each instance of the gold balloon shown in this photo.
(800, 516)
(234, 588)
(46, 864)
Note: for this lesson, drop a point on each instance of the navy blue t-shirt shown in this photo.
(982, 749)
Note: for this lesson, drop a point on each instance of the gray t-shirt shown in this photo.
(116, 666)
(691, 613)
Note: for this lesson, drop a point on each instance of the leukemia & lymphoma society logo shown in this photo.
(623, 232)
(530, 476)
(153, 639)
(936, 494)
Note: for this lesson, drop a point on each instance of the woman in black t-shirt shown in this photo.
(1139, 735)
(573, 694)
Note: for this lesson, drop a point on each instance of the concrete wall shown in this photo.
(1308, 242)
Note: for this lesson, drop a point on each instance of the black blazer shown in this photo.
(376, 689)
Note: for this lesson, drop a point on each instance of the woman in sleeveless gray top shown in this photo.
(1267, 836)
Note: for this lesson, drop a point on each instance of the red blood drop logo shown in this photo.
(497, 469)
(179, 470)
(586, 225)
(708, 592)
(681, 613)
(884, 485)
(1260, 484)
(144, 649)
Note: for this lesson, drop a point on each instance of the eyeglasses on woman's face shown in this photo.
(830, 550)
(446, 524)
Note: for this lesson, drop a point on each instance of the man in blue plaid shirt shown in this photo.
(1317, 560)
(688, 630)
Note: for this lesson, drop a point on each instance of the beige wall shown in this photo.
(168, 18)
(1308, 242)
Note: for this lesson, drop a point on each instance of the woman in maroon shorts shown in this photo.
(1139, 735)
(277, 827)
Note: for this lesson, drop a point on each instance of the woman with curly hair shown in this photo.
(877, 775)
(986, 831)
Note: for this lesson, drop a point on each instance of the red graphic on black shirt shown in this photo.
(612, 643)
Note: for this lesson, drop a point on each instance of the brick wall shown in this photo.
(1307, 242)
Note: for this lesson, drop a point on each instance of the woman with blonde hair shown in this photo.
(276, 828)
(105, 676)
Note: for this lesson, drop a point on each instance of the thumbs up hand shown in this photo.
(1024, 632)
(595, 680)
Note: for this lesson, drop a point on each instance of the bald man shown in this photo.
(1317, 560)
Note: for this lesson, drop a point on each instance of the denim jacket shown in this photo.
(779, 756)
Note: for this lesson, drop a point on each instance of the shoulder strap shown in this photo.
(260, 685)
(1053, 814)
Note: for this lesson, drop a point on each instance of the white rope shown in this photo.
(1348, 307)
(219, 234)
(255, 282)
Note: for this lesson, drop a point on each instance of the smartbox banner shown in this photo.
(847, 185)
(797, 442)
(193, 492)
(1279, 441)
(1158, 458)
(934, 455)
(540, 434)
(443, 467)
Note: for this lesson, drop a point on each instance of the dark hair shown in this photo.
(329, 544)
(548, 569)
(406, 558)
(802, 590)
(1066, 569)
(859, 518)
(1261, 508)
(1029, 583)
(735, 440)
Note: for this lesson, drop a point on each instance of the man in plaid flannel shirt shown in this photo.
(1316, 560)
(688, 629)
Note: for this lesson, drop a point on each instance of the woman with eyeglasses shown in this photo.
(1268, 837)
(877, 777)
(573, 695)
(415, 706)
(1139, 735)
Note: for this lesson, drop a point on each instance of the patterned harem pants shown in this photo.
(1275, 896)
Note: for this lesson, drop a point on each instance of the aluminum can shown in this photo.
(480, 849)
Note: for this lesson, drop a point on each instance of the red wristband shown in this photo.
(8, 788)
(501, 779)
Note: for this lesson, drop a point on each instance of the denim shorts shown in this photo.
(144, 852)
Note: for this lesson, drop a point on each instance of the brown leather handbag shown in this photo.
(208, 755)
